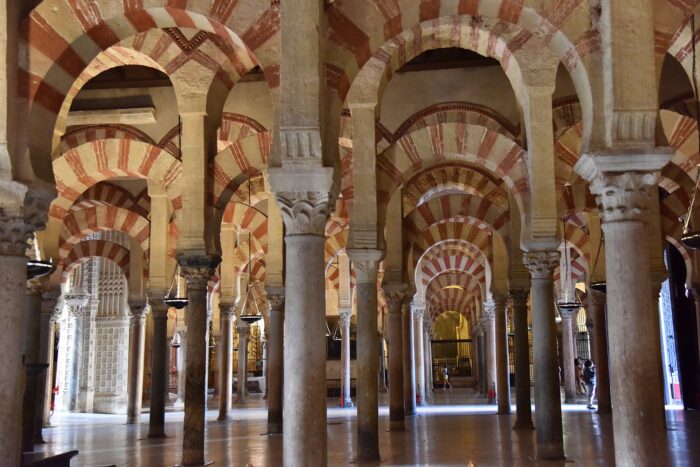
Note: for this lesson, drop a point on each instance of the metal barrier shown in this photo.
(453, 354)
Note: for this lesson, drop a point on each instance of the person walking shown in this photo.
(446, 379)
(589, 380)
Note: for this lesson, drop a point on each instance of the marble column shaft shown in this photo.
(501, 343)
(227, 312)
(48, 342)
(137, 349)
(523, 418)
(365, 264)
(489, 324)
(243, 329)
(428, 356)
(636, 387)
(409, 366)
(567, 350)
(197, 271)
(275, 360)
(419, 341)
(596, 307)
(160, 351)
(32, 344)
(548, 421)
(344, 323)
(395, 296)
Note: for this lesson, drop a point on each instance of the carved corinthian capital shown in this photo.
(519, 298)
(541, 264)
(304, 212)
(275, 298)
(489, 311)
(19, 221)
(197, 269)
(395, 295)
(625, 196)
(365, 263)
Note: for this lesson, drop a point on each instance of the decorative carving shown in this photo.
(155, 302)
(301, 144)
(243, 328)
(365, 263)
(519, 298)
(541, 264)
(197, 269)
(418, 310)
(138, 312)
(22, 212)
(49, 305)
(305, 212)
(345, 317)
(228, 309)
(625, 196)
(634, 127)
(396, 295)
(489, 311)
(275, 298)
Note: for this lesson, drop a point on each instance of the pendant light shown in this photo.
(598, 286)
(337, 334)
(36, 267)
(567, 302)
(691, 239)
(176, 301)
(175, 343)
(250, 312)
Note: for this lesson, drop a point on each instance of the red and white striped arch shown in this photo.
(83, 251)
(248, 219)
(88, 164)
(105, 193)
(59, 51)
(80, 222)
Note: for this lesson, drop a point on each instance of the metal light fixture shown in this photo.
(566, 300)
(691, 239)
(36, 267)
(176, 301)
(249, 315)
(598, 286)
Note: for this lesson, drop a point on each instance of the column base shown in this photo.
(133, 420)
(347, 404)
(397, 425)
(504, 412)
(551, 452)
(156, 435)
(274, 428)
(523, 425)
(223, 418)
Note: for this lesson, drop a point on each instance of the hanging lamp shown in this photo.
(175, 343)
(598, 286)
(36, 267)
(566, 301)
(250, 312)
(691, 239)
(176, 301)
(337, 333)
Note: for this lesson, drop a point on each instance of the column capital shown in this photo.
(155, 302)
(242, 327)
(304, 212)
(567, 313)
(23, 211)
(138, 311)
(418, 310)
(345, 317)
(228, 309)
(197, 269)
(35, 287)
(595, 298)
(365, 263)
(541, 264)
(395, 295)
(488, 314)
(623, 182)
(275, 298)
(499, 300)
(519, 297)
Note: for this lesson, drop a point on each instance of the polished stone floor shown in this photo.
(457, 430)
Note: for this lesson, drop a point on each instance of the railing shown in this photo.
(453, 354)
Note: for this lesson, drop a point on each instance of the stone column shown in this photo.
(625, 199)
(304, 425)
(275, 359)
(522, 360)
(243, 329)
(137, 349)
(181, 367)
(395, 295)
(568, 355)
(489, 325)
(409, 373)
(428, 354)
(49, 317)
(696, 301)
(502, 368)
(418, 312)
(160, 351)
(86, 389)
(197, 270)
(550, 438)
(17, 222)
(33, 366)
(227, 312)
(475, 357)
(365, 264)
(344, 321)
(382, 364)
(596, 308)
